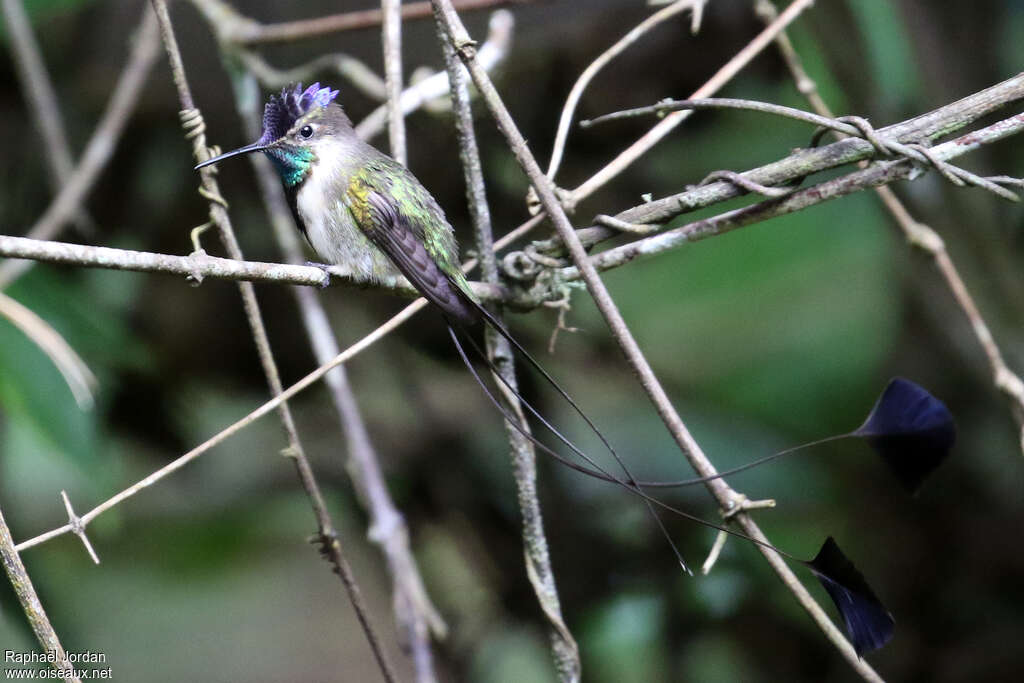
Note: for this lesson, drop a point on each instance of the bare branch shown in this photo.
(869, 177)
(492, 53)
(251, 32)
(802, 163)
(602, 60)
(199, 266)
(351, 69)
(391, 39)
(30, 603)
(721, 77)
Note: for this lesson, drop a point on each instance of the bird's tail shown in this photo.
(869, 625)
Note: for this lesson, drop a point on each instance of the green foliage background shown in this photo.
(764, 338)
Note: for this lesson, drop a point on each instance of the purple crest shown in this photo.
(282, 111)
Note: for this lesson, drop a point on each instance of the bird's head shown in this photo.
(298, 126)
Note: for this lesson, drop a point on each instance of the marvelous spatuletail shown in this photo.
(366, 213)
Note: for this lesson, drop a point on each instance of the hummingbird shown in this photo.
(363, 211)
(357, 207)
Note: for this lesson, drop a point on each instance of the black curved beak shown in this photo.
(248, 149)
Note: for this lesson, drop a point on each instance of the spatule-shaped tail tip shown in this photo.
(869, 625)
(911, 430)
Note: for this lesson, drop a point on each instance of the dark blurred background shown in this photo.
(764, 338)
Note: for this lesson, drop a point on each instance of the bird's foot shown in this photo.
(326, 267)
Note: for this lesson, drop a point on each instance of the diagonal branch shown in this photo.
(30, 603)
(538, 561)
(722, 492)
(869, 177)
(391, 39)
(804, 162)
(637, 32)
(663, 128)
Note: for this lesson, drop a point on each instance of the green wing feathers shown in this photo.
(402, 219)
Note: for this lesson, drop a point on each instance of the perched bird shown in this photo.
(359, 208)
(365, 212)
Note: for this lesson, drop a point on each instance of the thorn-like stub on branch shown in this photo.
(466, 48)
(326, 543)
(78, 527)
(290, 452)
(716, 551)
(197, 258)
(385, 526)
(738, 503)
(1010, 384)
(533, 205)
(922, 237)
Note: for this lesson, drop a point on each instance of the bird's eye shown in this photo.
(306, 132)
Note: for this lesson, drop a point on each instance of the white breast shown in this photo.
(330, 226)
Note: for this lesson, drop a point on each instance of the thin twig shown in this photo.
(199, 266)
(804, 162)
(43, 103)
(638, 31)
(432, 88)
(101, 145)
(720, 489)
(391, 40)
(330, 545)
(670, 105)
(721, 77)
(220, 437)
(538, 561)
(348, 67)
(869, 177)
(254, 32)
(30, 603)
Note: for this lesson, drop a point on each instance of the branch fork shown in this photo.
(735, 504)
